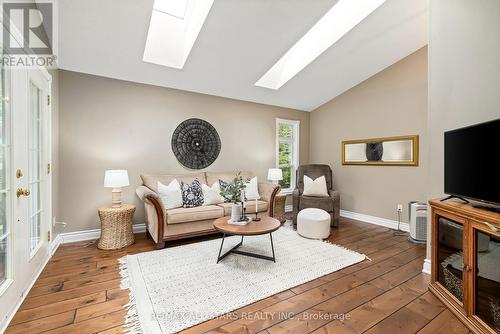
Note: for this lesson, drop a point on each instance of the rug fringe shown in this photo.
(132, 323)
(346, 249)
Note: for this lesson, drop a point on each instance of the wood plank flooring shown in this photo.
(79, 292)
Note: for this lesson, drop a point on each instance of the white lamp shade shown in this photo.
(116, 179)
(275, 174)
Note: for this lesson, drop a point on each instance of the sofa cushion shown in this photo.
(170, 195)
(261, 206)
(325, 203)
(192, 194)
(252, 189)
(151, 180)
(211, 195)
(316, 187)
(184, 215)
(226, 176)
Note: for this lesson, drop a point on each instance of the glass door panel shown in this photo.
(487, 277)
(5, 189)
(450, 256)
(35, 158)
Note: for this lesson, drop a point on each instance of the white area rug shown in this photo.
(176, 288)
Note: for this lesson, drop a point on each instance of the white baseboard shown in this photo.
(375, 220)
(54, 244)
(427, 266)
(93, 234)
(367, 219)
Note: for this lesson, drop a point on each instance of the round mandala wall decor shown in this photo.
(196, 143)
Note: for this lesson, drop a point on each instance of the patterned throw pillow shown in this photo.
(223, 185)
(192, 194)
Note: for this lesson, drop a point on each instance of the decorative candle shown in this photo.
(256, 205)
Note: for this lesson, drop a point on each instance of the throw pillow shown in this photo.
(316, 188)
(171, 195)
(252, 190)
(222, 186)
(192, 194)
(211, 195)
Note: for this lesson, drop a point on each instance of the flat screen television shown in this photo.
(472, 162)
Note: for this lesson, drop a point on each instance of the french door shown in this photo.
(25, 183)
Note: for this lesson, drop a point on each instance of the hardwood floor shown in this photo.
(79, 292)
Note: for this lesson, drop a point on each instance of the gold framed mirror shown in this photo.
(388, 151)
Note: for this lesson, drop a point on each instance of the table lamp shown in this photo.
(275, 175)
(116, 179)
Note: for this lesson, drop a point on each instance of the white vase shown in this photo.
(236, 212)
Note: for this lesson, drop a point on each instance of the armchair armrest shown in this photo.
(295, 204)
(267, 192)
(335, 195)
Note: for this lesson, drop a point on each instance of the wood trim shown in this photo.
(472, 219)
(467, 211)
(160, 217)
(442, 294)
(270, 209)
(415, 157)
(190, 234)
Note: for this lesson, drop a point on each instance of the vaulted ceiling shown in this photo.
(239, 42)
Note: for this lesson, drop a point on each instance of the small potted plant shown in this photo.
(234, 192)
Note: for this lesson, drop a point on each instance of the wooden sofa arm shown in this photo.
(155, 216)
(145, 193)
(268, 192)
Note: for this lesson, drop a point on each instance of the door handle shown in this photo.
(22, 192)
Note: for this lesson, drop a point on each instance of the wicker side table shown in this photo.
(116, 227)
(279, 208)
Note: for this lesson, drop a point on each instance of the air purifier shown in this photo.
(418, 222)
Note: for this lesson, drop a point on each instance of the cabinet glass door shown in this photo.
(487, 275)
(450, 261)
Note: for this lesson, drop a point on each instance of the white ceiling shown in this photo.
(239, 42)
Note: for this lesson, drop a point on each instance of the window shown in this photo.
(287, 151)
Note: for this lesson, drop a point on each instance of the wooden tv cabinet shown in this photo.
(466, 263)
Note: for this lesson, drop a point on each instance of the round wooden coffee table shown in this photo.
(264, 226)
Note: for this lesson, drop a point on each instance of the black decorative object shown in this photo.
(196, 143)
(374, 151)
(256, 219)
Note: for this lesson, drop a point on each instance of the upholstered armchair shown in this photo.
(330, 204)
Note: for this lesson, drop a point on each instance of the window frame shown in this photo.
(295, 141)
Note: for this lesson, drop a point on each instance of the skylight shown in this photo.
(173, 29)
(337, 22)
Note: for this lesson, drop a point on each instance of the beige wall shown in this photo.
(113, 124)
(464, 73)
(391, 103)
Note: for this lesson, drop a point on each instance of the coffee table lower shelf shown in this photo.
(236, 251)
